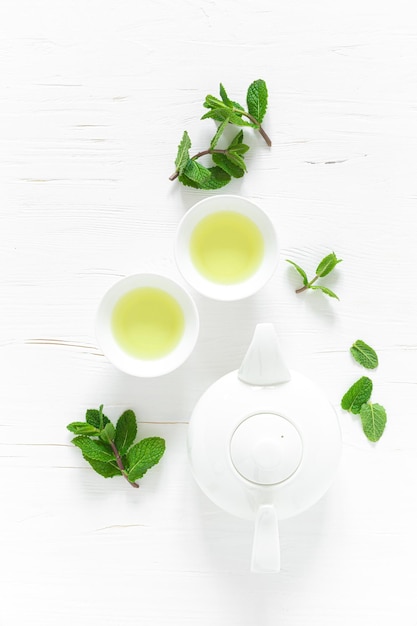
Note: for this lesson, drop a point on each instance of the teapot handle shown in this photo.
(265, 549)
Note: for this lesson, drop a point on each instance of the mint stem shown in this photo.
(197, 156)
(120, 464)
(301, 289)
(255, 121)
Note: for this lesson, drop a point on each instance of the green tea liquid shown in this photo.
(226, 247)
(147, 323)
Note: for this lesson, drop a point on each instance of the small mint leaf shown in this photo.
(184, 180)
(241, 149)
(257, 99)
(325, 290)
(183, 153)
(107, 434)
(219, 133)
(218, 178)
(228, 165)
(357, 395)
(236, 141)
(224, 96)
(364, 354)
(108, 470)
(94, 449)
(144, 455)
(327, 264)
(238, 106)
(211, 102)
(217, 114)
(96, 418)
(300, 271)
(196, 172)
(126, 430)
(82, 428)
(236, 118)
(237, 160)
(374, 419)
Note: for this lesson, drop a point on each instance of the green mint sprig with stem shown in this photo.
(357, 398)
(326, 265)
(110, 450)
(228, 162)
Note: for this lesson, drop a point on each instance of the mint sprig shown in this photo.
(110, 449)
(326, 265)
(229, 161)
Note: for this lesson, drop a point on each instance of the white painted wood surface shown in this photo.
(94, 97)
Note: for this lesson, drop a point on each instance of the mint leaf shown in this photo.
(183, 153)
(257, 99)
(211, 102)
(325, 290)
(188, 182)
(82, 428)
(327, 264)
(236, 141)
(196, 172)
(108, 470)
(357, 395)
(227, 165)
(364, 354)
(96, 418)
(237, 160)
(144, 455)
(236, 144)
(218, 178)
(374, 419)
(238, 149)
(94, 449)
(300, 271)
(126, 430)
(107, 434)
(217, 114)
(224, 96)
(219, 133)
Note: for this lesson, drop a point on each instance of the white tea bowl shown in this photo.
(119, 354)
(241, 222)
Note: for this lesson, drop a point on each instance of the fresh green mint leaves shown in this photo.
(357, 395)
(228, 162)
(357, 399)
(326, 265)
(374, 419)
(110, 449)
(364, 354)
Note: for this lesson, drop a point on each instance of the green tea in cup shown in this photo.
(226, 247)
(147, 322)
(147, 325)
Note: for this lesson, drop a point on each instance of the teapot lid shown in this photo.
(266, 448)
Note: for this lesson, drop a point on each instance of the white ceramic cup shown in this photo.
(232, 290)
(134, 365)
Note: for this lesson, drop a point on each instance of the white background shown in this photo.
(94, 97)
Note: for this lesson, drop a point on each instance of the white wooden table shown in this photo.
(94, 98)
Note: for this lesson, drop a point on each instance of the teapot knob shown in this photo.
(263, 363)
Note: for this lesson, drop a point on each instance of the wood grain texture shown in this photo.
(94, 98)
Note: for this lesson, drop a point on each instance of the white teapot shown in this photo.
(264, 444)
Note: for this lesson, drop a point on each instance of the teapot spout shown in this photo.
(263, 363)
